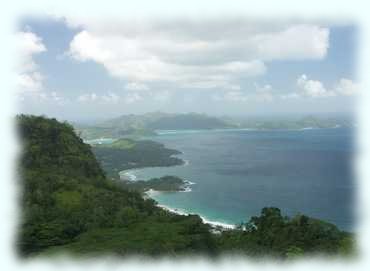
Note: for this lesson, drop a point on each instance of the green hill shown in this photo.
(68, 203)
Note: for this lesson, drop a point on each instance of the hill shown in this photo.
(68, 204)
(145, 125)
(124, 154)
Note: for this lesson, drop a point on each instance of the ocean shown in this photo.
(238, 172)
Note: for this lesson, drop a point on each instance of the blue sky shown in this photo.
(80, 69)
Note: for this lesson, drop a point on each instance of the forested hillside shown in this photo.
(125, 154)
(69, 205)
(67, 200)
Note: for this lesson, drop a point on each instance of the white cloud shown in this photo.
(29, 78)
(258, 94)
(312, 88)
(294, 42)
(347, 87)
(132, 97)
(136, 86)
(89, 97)
(111, 98)
(212, 54)
(29, 44)
(108, 98)
(315, 88)
(31, 81)
(39, 97)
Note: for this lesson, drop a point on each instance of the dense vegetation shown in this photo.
(165, 183)
(274, 235)
(126, 154)
(68, 202)
(69, 205)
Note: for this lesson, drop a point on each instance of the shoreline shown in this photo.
(130, 173)
(216, 225)
(254, 129)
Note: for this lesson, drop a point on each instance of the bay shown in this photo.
(238, 172)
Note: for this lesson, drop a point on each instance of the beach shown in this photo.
(214, 224)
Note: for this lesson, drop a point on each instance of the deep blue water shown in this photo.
(237, 173)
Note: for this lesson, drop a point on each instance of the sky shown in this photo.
(83, 69)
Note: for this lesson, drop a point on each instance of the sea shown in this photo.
(236, 173)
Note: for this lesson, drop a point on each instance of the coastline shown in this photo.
(254, 129)
(129, 174)
(216, 225)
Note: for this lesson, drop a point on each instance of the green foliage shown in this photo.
(123, 143)
(278, 236)
(68, 200)
(143, 153)
(165, 183)
(68, 203)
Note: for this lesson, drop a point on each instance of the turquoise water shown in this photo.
(238, 172)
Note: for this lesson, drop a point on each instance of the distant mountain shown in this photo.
(136, 126)
(166, 121)
(146, 124)
(188, 121)
(289, 123)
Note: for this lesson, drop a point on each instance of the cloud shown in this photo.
(136, 86)
(196, 54)
(87, 97)
(264, 93)
(258, 94)
(293, 43)
(29, 44)
(312, 88)
(39, 97)
(347, 87)
(31, 81)
(93, 97)
(109, 98)
(132, 97)
(29, 78)
(316, 89)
